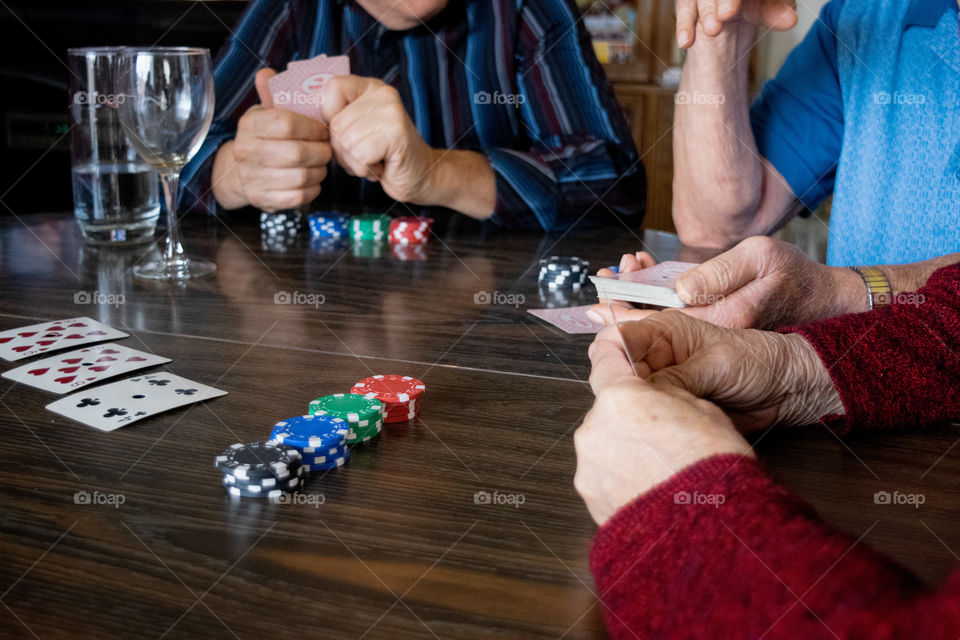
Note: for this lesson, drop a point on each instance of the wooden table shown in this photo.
(394, 544)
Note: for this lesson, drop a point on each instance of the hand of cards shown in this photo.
(298, 88)
(655, 286)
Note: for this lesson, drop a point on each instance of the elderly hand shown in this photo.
(278, 159)
(374, 138)
(638, 435)
(765, 284)
(759, 378)
(713, 15)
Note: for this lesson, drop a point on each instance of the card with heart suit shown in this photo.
(571, 319)
(298, 88)
(121, 403)
(17, 344)
(76, 369)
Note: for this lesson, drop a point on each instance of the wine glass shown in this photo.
(166, 112)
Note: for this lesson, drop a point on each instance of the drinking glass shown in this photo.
(166, 114)
(115, 194)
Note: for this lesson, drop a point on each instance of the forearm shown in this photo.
(905, 278)
(225, 179)
(720, 544)
(463, 181)
(724, 190)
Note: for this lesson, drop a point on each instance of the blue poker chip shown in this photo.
(309, 433)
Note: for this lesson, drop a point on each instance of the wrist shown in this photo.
(225, 182)
(727, 51)
(850, 294)
(462, 181)
(812, 395)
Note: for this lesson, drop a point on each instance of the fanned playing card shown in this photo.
(656, 285)
(121, 403)
(17, 344)
(75, 369)
(572, 319)
(298, 88)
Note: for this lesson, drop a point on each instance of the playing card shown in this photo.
(571, 319)
(82, 367)
(17, 344)
(298, 88)
(656, 285)
(120, 403)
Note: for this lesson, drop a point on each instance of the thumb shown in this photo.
(262, 81)
(720, 276)
(690, 375)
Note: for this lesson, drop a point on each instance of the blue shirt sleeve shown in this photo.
(798, 119)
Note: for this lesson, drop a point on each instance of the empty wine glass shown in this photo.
(166, 111)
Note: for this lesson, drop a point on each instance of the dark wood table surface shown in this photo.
(392, 545)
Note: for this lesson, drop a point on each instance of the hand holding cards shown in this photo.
(656, 285)
(298, 88)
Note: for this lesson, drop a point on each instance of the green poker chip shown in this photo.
(357, 410)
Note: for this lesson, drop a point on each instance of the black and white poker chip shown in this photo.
(255, 462)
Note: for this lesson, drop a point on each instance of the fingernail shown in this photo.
(690, 286)
(596, 317)
(623, 263)
(683, 37)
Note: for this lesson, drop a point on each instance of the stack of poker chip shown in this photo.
(364, 415)
(329, 225)
(563, 272)
(369, 228)
(261, 470)
(321, 440)
(280, 224)
(410, 230)
(400, 395)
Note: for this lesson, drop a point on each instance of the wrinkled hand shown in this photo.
(374, 138)
(759, 378)
(280, 157)
(638, 435)
(762, 283)
(713, 15)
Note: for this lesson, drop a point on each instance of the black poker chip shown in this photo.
(563, 272)
(256, 461)
(257, 491)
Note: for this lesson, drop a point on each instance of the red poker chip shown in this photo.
(410, 230)
(391, 388)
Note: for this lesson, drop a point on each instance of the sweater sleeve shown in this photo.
(721, 547)
(899, 365)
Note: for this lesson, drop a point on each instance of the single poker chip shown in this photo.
(352, 407)
(272, 494)
(267, 484)
(310, 461)
(325, 466)
(390, 388)
(257, 461)
(316, 432)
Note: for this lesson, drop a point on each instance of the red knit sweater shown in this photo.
(762, 564)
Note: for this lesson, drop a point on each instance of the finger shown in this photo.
(341, 91)
(686, 22)
(708, 17)
(665, 338)
(262, 82)
(645, 259)
(629, 262)
(609, 362)
(606, 273)
(291, 179)
(727, 9)
(623, 312)
(287, 154)
(719, 276)
(280, 124)
(277, 200)
(776, 14)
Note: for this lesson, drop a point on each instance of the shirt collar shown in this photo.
(926, 13)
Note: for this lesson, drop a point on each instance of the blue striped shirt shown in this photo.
(516, 80)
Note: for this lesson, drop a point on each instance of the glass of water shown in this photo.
(166, 112)
(115, 194)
